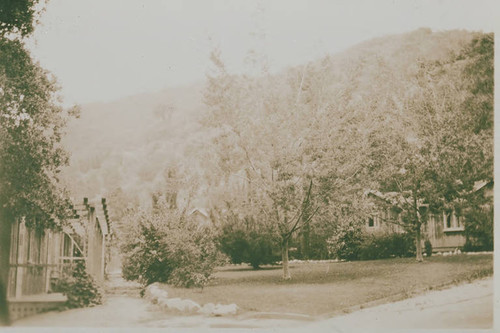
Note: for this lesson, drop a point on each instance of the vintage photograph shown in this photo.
(247, 165)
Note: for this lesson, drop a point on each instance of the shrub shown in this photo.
(79, 287)
(255, 247)
(234, 243)
(387, 245)
(345, 243)
(479, 230)
(144, 255)
(428, 248)
(168, 247)
(313, 245)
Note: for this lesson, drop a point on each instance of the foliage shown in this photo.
(325, 120)
(346, 242)
(248, 244)
(166, 246)
(18, 16)
(312, 245)
(479, 229)
(31, 126)
(387, 245)
(352, 242)
(428, 248)
(442, 150)
(80, 288)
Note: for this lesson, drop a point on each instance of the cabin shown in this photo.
(39, 258)
(445, 230)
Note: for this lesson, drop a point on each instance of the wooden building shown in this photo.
(39, 258)
(445, 230)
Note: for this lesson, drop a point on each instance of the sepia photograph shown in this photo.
(247, 165)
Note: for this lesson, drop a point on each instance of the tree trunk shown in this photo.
(418, 242)
(284, 259)
(5, 230)
(418, 228)
(305, 241)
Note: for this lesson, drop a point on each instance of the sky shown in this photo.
(103, 50)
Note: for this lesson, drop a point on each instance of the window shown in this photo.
(453, 222)
(371, 222)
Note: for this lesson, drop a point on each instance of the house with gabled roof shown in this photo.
(445, 230)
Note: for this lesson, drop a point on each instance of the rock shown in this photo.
(191, 306)
(219, 309)
(183, 305)
(157, 295)
(207, 309)
(224, 310)
(154, 292)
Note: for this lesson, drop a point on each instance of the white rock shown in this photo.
(191, 306)
(154, 292)
(207, 309)
(224, 310)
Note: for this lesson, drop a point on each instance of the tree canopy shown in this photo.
(18, 16)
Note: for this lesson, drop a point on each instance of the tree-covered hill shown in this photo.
(163, 142)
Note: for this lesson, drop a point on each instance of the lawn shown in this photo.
(322, 289)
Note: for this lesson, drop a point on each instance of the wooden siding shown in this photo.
(31, 261)
(441, 238)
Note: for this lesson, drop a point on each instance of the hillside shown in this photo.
(128, 143)
(125, 149)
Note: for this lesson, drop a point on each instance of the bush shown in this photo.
(313, 245)
(479, 230)
(346, 242)
(79, 287)
(255, 247)
(144, 255)
(387, 245)
(168, 247)
(428, 248)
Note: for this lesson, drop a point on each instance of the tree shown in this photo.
(18, 16)
(31, 125)
(446, 143)
(286, 138)
(260, 127)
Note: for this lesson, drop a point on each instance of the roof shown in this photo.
(393, 198)
(202, 211)
(396, 198)
(78, 223)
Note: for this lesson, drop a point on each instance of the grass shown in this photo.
(319, 289)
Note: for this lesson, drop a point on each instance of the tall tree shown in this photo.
(295, 139)
(260, 140)
(445, 145)
(31, 125)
